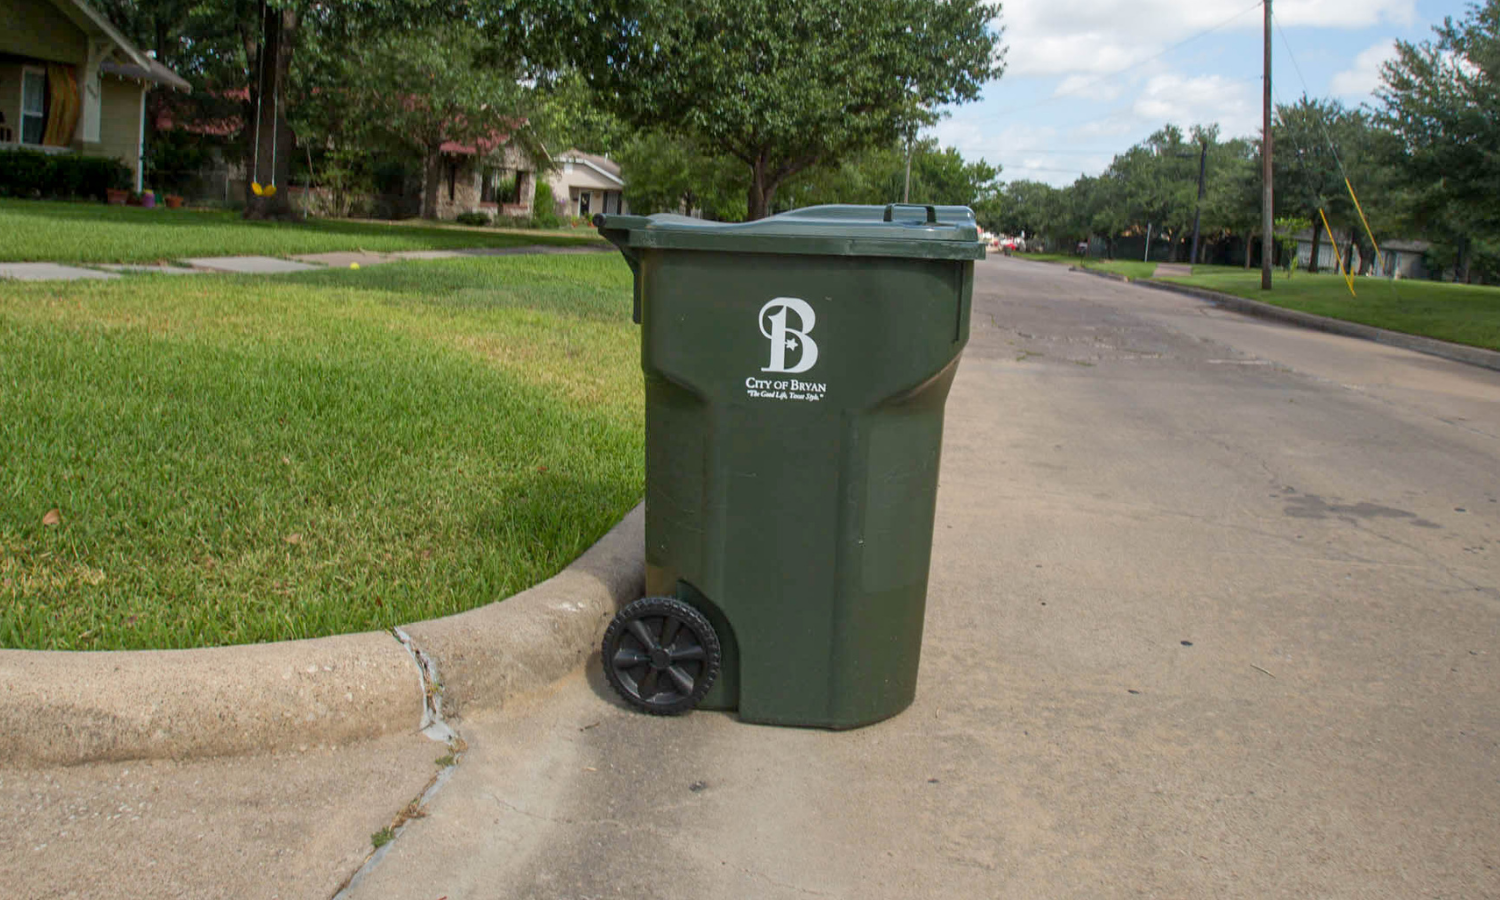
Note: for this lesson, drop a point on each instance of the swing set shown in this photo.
(266, 190)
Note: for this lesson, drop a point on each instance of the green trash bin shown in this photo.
(796, 372)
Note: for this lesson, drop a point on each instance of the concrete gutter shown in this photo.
(61, 708)
(1475, 356)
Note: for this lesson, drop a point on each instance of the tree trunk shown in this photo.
(271, 139)
(432, 182)
(1249, 249)
(1312, 261)
(762, 190)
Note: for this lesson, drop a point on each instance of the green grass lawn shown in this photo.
(240, 459)
(1460, 313)
(32, 230)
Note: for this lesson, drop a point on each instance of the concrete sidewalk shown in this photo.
(266, 265)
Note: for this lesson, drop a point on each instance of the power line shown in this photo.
(1105, 115)
(1306, 91)
(1098, 78)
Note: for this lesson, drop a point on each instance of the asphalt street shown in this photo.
(1213, 612)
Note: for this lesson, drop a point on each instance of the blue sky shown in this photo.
(1087, 79)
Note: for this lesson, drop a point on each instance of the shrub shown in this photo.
(543, 207)
(29, 173)
(472, 218)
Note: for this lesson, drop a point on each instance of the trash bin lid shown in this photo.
(902, 230)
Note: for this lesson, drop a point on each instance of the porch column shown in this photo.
(90, 94)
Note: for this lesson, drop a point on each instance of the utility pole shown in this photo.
(906, 191)
(911, 140)
(1198, 213)
(1146, 257)
(1266, 222)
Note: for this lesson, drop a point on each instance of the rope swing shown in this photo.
(268, 190)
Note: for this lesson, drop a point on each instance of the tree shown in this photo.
(1441, 101)
(664, 173)
(248, 47)
(1158, 181)
(1318, 143)
(1029, 208)
(877, 175)
(781, 87)
(566, 114)
(419, 90)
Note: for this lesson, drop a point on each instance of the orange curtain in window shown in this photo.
(62, 118)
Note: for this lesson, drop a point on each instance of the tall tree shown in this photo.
(781, 86)
(1159, 184)
(1441, 100)
(1317, 142)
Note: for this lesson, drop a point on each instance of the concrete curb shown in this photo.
(60, 708)
(487, 655)
(1474, 356)
(1112, 276)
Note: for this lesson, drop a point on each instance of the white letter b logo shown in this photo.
(774, 326)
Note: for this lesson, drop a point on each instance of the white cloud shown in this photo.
(1091, 88)
(1061, 37)
(1364, 76)
(966, 136)
(1203, 100)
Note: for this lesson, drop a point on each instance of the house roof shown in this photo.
(1406, 246)
(139, 64)
(94, 22)
(481, 147)
(600, 164)
(155, 72)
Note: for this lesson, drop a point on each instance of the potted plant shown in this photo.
(116, 196)
(148, 199)
(174, 201)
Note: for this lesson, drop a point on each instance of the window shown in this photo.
(500, 186)
(33, 105)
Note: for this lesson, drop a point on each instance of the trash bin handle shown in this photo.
(890, 211)
(620, 237)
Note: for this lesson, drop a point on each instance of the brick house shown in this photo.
(494, 176)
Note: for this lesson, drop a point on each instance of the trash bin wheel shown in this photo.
(661, 655)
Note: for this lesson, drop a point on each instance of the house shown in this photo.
(1405, 259)
(584, 184)
(70, 82)
(1398, 258)
(493, 175)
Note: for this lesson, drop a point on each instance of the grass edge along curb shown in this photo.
(1474, 356)
(73, 707)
